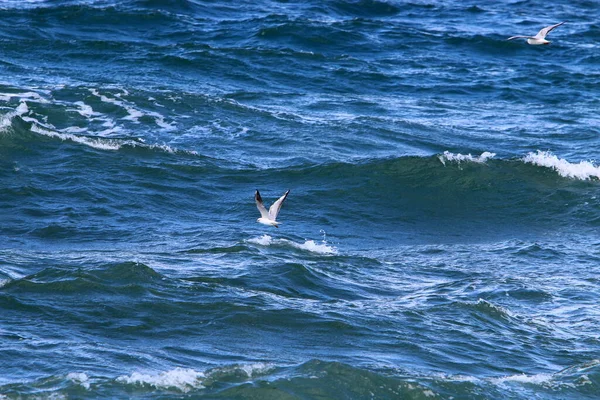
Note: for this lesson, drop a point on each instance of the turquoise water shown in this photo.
(441, 236)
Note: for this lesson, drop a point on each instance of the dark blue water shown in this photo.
(441, 238)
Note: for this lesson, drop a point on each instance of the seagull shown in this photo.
(540, 38)
(269, 217)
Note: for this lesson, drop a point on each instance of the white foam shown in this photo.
(111, 130)
(30, 96)
(183, 379)
(74, 129)
(312, 246)
(22, 108)
(85, 110)
(6, 120)
(160, 121)
(79, 378)
(583, 170)
(448, 156)
(538, 379)
(135, 114)
(255, 369)
(250, 370)
(309, 245)
(264, 240)
(101, 144)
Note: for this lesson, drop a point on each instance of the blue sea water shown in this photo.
(441, 238)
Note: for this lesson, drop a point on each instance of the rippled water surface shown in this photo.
(441, 236)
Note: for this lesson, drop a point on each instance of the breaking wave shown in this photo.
(583, 170)
(308, 245)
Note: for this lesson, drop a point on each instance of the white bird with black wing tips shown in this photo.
(540, 38)
(269, 217)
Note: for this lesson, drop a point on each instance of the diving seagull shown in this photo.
(540, 38)
(269, 217)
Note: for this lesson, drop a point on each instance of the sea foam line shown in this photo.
(99, 143)
(135, 114)
(583, 170)
(29, 96)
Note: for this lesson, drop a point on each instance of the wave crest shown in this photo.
(451, 157)
(183, 379)
(308, 245)
(584, 170)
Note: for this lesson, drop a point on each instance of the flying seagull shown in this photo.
(269, 217)
(540, 38)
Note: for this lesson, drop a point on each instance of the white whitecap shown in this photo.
(80, 379)
(264, 240)
(84, 109)
(308, 245)
(250, 370)
(134, 114)
(183, 379)
(256, 369)
(313, 247)
(22, 108)
(29, 96)
(448, 156)
(101, 144)
(583, 170)
(537, 379)
(6, 120)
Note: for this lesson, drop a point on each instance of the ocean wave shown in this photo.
(95, 142)
(584, 170)
(107, 112)
(484, 165)
(126, 277)
(327, 380)
(493, 310)
(585, 375)
(188, 379)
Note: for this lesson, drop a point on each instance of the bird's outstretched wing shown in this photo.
(274, 209)
(261, 207)
(544, 31)
(520, 37)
